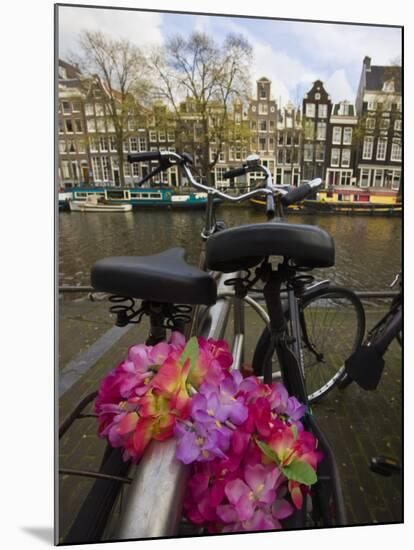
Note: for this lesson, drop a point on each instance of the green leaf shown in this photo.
(294, 431)
(190, 352)
(300, 472)
(268, 451)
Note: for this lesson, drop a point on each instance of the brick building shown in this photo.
(379, 109)
(316, 111)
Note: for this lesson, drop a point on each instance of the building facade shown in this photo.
(379, 110)
(289, 141)
(340, 146)
(348, 146)
(316, 110)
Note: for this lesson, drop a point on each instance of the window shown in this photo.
(65, 169)
(280, 139)
(384, 124)
(237, 118)
(370, 123)
(161, 136)
(66, 107)
(219, 174)
(280, 156)
(153, 135)
(125, 146)
(78, 125)
(310, 110)
(135, 169)
(253, 125)
(396, 180)
(142, 144)
(90, 125)
(378, 178)
(346, 158)
(106, 164)
(133, 144)
(99, 109)
(103, 144)
(271, 144)
(396, 150)
(69, 126)
(335, 157)
(289, 122)
(343, 109)
(346, 177)
(81, 146)
(372, 105)
(398, 125)
(322, 111)
(221, 157)
(170, 136)
(320, 153)
(100, 125)
(89, 109)
(364, 178)
(97, 169)
(62, 146)
(308, 152)
(262, 93)
(127, 169)
(262, 144)
(254, 108)
(271, 125)
(336, 134)
(71, 146)
(347, 138)
(262, 126)
(112, 144)
(321, 131)
(76, 106)
(110, 125)
(61, 127)
(94, 145)
(289, 140)
(381, 148)
(317, 97)
(367, 148)
(263, 108)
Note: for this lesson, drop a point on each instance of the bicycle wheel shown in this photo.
(332, 325)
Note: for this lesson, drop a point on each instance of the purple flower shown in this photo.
(295, 410)
(200, 442)
(220, 402)
(279, 398)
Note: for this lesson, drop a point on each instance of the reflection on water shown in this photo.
(368, 249)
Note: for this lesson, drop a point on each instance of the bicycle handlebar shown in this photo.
(299, 193)
(144, 156)
(252, 165)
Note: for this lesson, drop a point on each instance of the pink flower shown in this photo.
(245, 496)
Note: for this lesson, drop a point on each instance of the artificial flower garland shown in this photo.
(252, 460)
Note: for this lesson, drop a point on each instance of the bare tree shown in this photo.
(200, 81)
(119, 69)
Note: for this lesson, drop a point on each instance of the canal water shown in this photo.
(368, 249)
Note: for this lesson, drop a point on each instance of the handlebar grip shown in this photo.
(270, 205)
(236, 172)
(144, 156)
(296, 194)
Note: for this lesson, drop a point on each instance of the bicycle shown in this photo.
(162, 281)
(366, 364)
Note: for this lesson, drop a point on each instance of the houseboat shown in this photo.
(354, 201)
(139, 196)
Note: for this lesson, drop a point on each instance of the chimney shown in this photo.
(367, 63)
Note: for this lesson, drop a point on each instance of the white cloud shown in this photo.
(140, 28)
(338, 87)
(348, 43)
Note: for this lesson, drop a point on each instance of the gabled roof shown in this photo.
(264, 79)
(375, 78)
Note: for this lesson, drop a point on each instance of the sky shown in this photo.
(292, 54)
